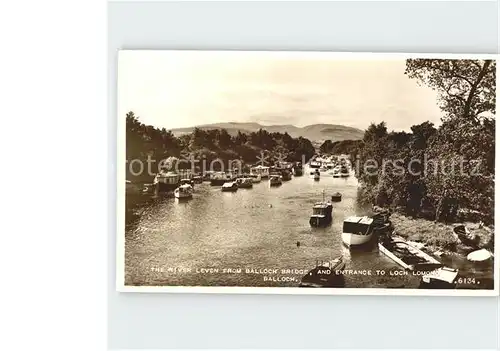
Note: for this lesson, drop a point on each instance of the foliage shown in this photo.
(438, 172)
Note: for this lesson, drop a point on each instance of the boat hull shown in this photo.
(320, 222)
(246, 186)
(324, 277)
(350, 239)
(229, 190)
(336, 198)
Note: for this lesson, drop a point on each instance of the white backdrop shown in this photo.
(166, 321)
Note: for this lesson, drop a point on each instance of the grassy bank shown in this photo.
(439, 236)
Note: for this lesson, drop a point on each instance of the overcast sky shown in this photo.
(175, 89)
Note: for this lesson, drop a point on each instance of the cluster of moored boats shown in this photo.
(338, 167)
(231, 181)
(410, 256)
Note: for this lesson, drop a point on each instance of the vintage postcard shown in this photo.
(306, 173)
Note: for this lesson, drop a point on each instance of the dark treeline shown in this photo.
(439, 173)
(209, 145)
(347, 147)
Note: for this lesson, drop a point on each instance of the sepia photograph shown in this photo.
(306, 173)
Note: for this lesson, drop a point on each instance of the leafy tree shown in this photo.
(466, 88)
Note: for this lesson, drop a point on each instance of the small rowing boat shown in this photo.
(463, 234)
(408, 256)
(325, 275)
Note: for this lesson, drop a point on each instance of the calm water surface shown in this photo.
(204, 241)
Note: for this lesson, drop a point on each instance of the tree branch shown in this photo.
(482, 73)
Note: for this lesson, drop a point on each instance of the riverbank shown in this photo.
(439, 237)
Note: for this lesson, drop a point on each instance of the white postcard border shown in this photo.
(120, 188)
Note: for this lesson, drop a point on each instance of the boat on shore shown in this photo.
(326, 274)
(407, 255)
(230, 186)
(463, 234)
(185, 191)
(480, 256)
(357, 230)
(275, 180)
(441, 278)
(244, 183)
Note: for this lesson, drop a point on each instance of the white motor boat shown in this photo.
(185, 191)
(230, 186)
(357, 230)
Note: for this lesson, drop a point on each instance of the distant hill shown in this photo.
(313, 132)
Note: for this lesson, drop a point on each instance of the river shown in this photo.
(248, 237)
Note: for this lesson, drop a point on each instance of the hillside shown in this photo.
(314, 132)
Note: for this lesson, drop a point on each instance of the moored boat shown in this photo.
(326, 274)
(314, 174)
(219, 178)
(197, 179)
(263, 171)
(315, 164)
(275, 180)
(297, 169)
(286, 175)
(357, 230)
(166, 181)
(244, 182)
(337, 197)
(407, 255)
(344, 171)
(207, 176)
(336, 172)
(229, 186)
(322, 214)
(184, 191)
(256, 178)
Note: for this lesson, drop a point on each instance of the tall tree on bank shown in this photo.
(462, 152)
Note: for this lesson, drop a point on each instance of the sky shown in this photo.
(175, 89)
